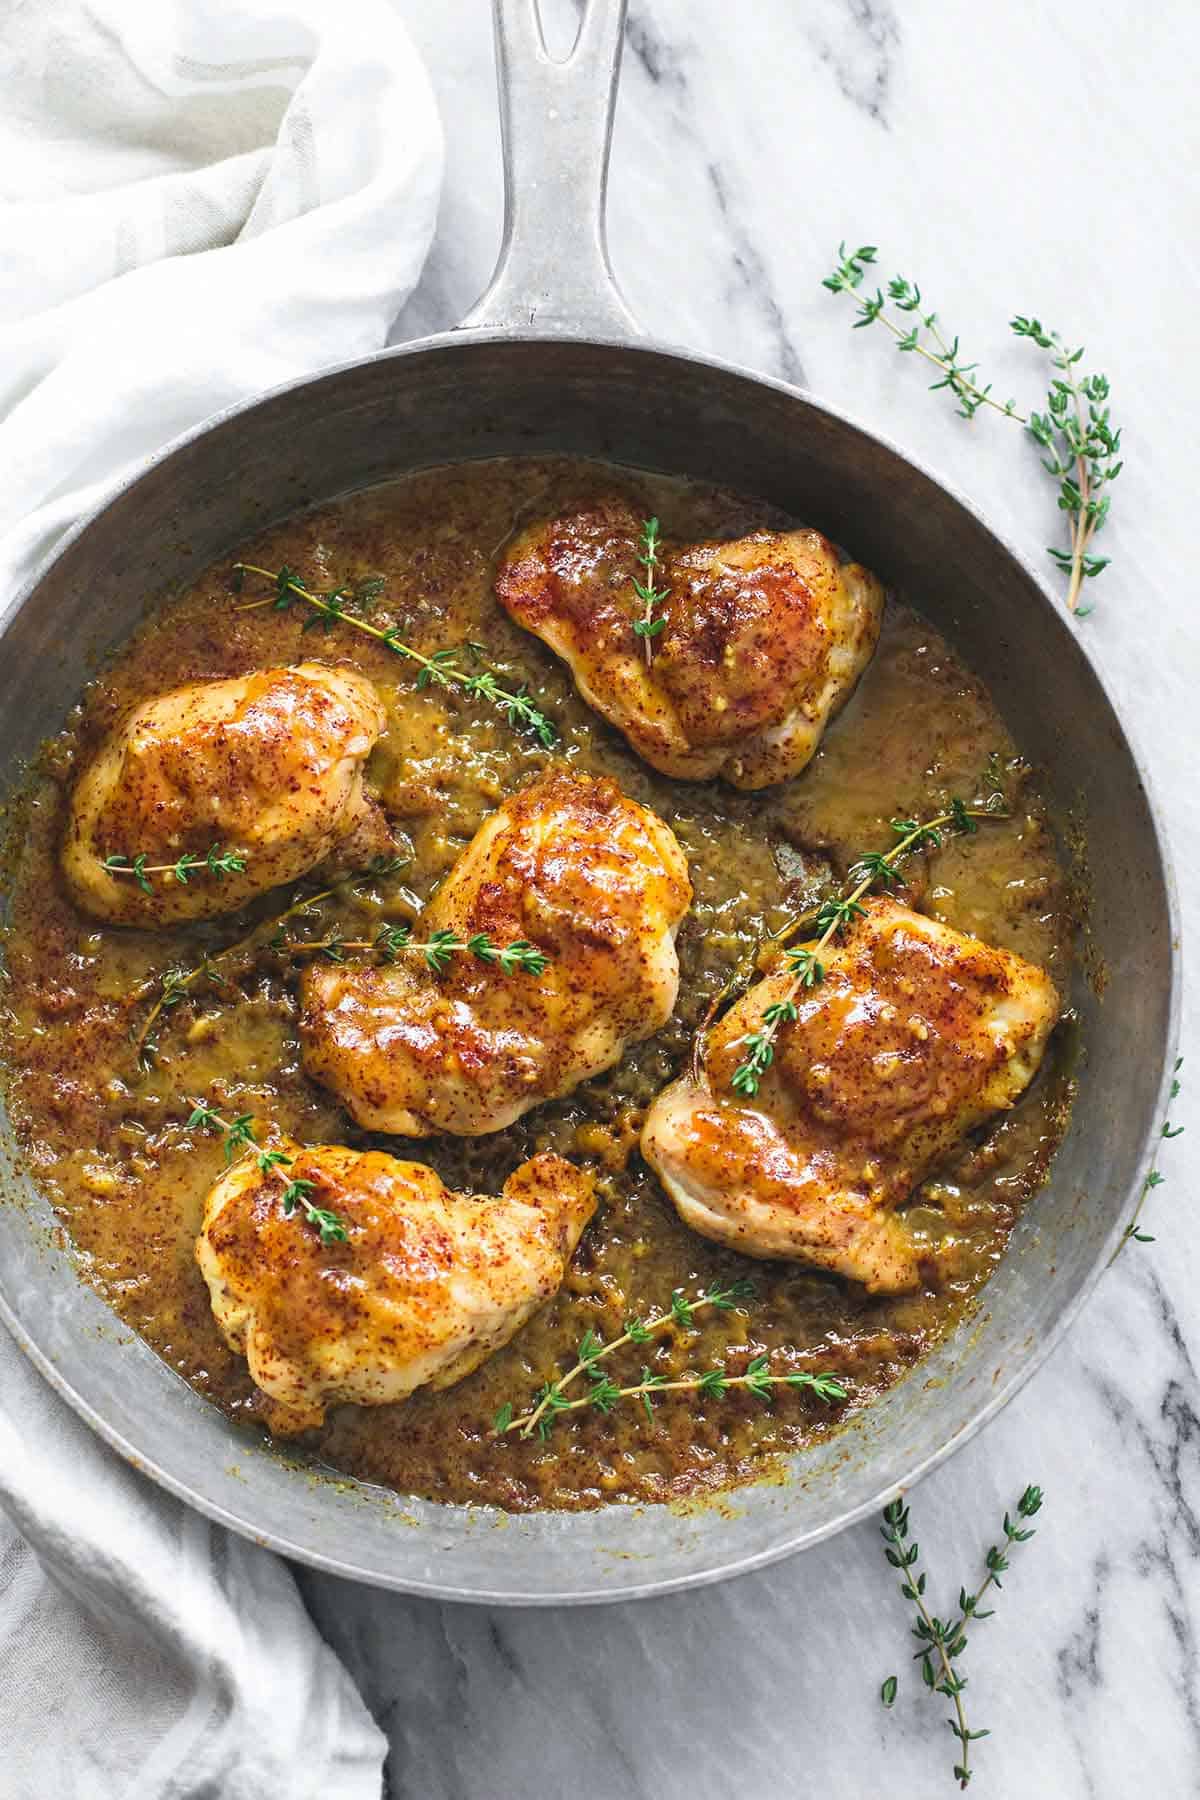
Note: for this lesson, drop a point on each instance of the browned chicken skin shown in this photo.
(427, 1285)
(764, 639)
(917, 1034)
(268, 766)
(569, 864)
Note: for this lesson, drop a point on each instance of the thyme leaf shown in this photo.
(239, 1139)
(905, 297)
(651, 623)
(605, 1395)
(551, 1399)
(216, 862)
(439, 669)
(1133, 1232)
(941, 1641)
(176, 984)
(393, 941)
(832, 918)
(1081, 445)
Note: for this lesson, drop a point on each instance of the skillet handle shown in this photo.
(556, 125)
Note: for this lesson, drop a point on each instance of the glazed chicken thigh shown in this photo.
(764, 638)
(917, 1034)
(268, 766)
(427, 1285)
(569, 864)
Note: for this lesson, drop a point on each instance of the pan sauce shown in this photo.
(104, 1139)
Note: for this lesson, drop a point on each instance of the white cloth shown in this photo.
(204, 198)
(198, 199)
(145, 1653)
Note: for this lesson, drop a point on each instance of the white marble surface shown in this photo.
(1015, 157)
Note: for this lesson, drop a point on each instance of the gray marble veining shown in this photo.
(858, 42)
(749, 140)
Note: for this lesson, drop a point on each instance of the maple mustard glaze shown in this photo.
(104, 1140)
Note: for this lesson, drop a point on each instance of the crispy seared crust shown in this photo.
(268, 765)
(427, 1286)
(764, 640)
(595, 881)
(917, 1034)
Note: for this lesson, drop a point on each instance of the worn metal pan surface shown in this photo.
(550, 361)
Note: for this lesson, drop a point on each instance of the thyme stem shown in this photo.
(943, 359)
(239, 1139)
(906, 297)
(945, 1640)
(832, 919)
(637, 1331)
(217, 862)
(1133, 1232)
(396, 940)
(739, 978)
(1075, 430)
(438, 670)
(650, 624)
(174, 986)
(1091, 447)
(897, 1519)
(1083, 525)
(715, 1382)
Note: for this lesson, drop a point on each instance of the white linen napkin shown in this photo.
(197, 200)
(203, 199)
(146, 1653)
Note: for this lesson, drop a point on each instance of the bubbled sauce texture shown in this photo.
(104, 1139)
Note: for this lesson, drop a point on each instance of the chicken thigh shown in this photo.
(268, 767)
(569, 864)
(916, 1034)
(426, 1286)
(764, 638)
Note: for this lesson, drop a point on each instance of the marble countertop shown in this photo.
(1013, 158)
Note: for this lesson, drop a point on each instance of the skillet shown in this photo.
(550, 361)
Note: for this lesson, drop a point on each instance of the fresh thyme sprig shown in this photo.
(651, 622)
(217, 863)
(804, 923)
(847, 278)
(679, 1315)
(176, 984)
(239, 1139)
(804, 963)
(1133, 1232)
(436, 670)
(1083, 450)
(394, 941)
(942, 1641)
(716, 1383)
(1076, 429)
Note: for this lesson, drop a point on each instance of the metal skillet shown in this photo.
(551, 361)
